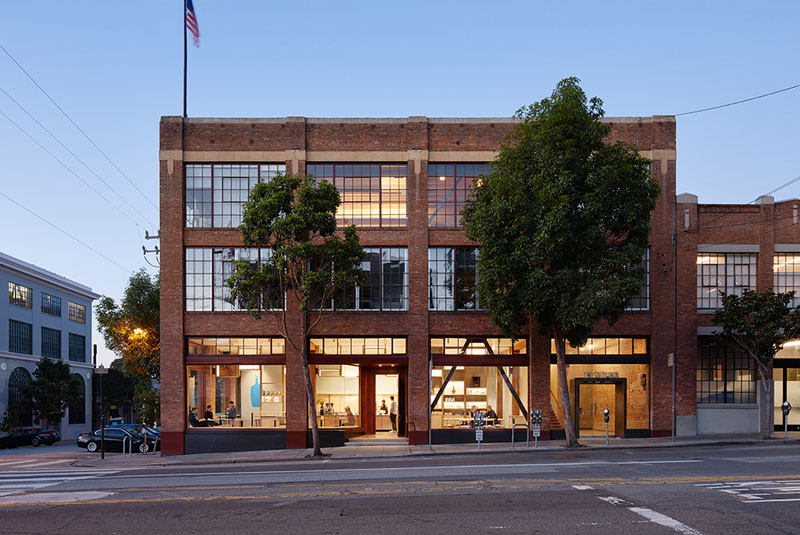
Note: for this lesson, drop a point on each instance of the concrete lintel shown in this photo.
(765, 199)
(703, 330)
(787, 248)
(686, 198)
(728, 248)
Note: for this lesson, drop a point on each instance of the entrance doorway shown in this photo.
(787, 388)
(592, 396)
(380, 384)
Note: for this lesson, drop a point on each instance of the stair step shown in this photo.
(377, 442)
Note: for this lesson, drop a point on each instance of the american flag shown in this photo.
(191, 22)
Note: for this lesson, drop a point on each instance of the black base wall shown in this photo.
(222, 440)
(465, 436)
(328, 438)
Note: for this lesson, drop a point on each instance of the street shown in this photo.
(731, 490)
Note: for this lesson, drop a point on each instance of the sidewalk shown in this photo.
(115, 460)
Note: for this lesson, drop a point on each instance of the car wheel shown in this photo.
(144, 448)
(35, 443)
(91, 446)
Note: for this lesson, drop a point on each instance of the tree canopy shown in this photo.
(563, 223)
(310, 263)
(53, 390)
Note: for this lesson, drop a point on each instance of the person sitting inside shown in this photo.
(208, 416)
(490, 416)
(193, 420)
(350, 418)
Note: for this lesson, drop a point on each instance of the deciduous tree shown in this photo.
(759, 323)
(295, 217)
(563, 224)
(53, 390)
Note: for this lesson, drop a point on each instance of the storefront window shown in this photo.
(236, 346)
(478, 346)
(236, 396)
(491, 390)
(606, 346)
(357, 346)
(724, 374)
(338, 397)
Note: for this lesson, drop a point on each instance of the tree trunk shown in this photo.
(769, 407)
(563, 387)
(310, 391)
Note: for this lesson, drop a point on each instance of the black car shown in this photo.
(21, 436)
(114, 438)
(46, 436)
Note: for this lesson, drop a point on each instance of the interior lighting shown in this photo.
(442, 178)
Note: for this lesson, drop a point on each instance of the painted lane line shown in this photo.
(582, 487)
(413, 468)
(37, 463)
(613, 500)
(664, 520)
(773, 501)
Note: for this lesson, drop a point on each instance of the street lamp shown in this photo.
(101, 371)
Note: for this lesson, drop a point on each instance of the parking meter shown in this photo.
(539, 417)
(786, 407)
(606, 415)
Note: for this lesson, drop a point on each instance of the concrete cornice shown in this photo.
(48, 277)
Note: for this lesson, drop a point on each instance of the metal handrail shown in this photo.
(127, 440)
(527, 435)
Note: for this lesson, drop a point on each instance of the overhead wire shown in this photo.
(126, 270)
(9, 119)
(738, 101)
(57, 140)
(89, 139)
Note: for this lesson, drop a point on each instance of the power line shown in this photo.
(739, 101)
(68, 168)
(66, 233)
(20, 106)
(78, 127)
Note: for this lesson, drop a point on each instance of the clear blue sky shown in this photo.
(116, 68)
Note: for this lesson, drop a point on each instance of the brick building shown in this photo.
(415, 337)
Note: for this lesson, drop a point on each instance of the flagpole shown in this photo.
(184, 57)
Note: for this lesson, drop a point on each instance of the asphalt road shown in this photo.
(729, 490)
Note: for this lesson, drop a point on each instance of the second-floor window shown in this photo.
(207, 274)
(449, 187)
(372, 195)
(386, 287)
(51, 343)
(215, 194)
(20, 337)
(641, 301)
(730, 273)
(20, 295)
(786, 274)
(453, 278)
(77, 347)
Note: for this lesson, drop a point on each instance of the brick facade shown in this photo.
(670, 323)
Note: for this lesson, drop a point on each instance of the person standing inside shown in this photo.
(393, 413)
(232, 413)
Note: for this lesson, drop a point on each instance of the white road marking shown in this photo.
(613, 500)
(582, 487)
(760, 491)
(53, 497)
(775, 500)
(664, 520)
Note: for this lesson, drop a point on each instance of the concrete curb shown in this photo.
(340, 454)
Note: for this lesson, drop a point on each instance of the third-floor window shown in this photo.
(449, 187)
(215, 194)
(372, 195)
(786, 274)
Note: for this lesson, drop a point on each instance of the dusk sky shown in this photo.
(116, 67)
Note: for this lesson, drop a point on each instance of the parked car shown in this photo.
(46, 436)
(114, 437)
(21, 436)
(139, 428)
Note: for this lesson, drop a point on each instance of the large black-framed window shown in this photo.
(253, 346)
(453, 278)
(731, 273)
(77, 347)
(641, 301)
(369, 345)
(76, 312)
(51, 343)
(20, 397)
(372, 195)
(786, 274)
(386, 286)
(724, 374)
(20, 295)
(77, 410)
(215, 193)
(449, 187)
(51, 304)
(20, 337)
(207, 272)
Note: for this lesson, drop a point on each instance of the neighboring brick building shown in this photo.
(416, 331)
